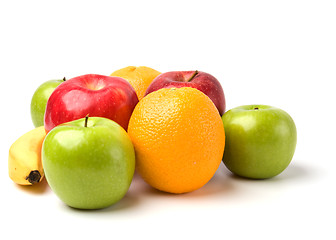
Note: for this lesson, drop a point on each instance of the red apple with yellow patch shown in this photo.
(94, 95)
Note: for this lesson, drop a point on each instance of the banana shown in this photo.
(24, 160)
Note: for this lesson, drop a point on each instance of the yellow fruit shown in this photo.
(24, 160)
(139, 77)
(178, 138)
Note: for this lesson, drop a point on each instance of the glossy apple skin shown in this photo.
(88, 167)
(260, 141)
(39, 101)
(204, 82)
(93, 95)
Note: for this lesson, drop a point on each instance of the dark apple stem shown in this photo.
(194, 75)
(86, 120)
(64, 79)
(256, 108)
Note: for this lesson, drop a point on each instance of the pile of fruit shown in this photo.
(92, 132)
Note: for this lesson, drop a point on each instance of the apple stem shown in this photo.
(64, 79)
(256, 108)
(86, 120)
(194, 75)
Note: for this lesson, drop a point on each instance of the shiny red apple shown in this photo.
(202, 81)
(93, 95)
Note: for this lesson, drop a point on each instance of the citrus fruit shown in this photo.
(139, 77)
(178, 137)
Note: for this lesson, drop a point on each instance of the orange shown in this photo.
(178, 138)
(139, 77)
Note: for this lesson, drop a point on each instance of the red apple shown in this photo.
(93, 95)
(202, 81)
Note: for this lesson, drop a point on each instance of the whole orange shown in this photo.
(139, 77)
(178, 137)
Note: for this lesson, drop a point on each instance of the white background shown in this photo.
(280, 53)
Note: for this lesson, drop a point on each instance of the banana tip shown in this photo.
(34, 177)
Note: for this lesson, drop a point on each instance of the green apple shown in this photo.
(260, 141)
(89, 163)
(39, 100)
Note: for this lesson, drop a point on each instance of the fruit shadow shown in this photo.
(127, 202)
(292, 173)
(296, 172)
(140, 191)
(218, 184)
(38, 188)
(225, 183)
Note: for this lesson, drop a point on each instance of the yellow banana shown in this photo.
(24, 160)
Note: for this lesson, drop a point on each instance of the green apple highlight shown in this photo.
(260, 141)
(89, 163)
(39, 100)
